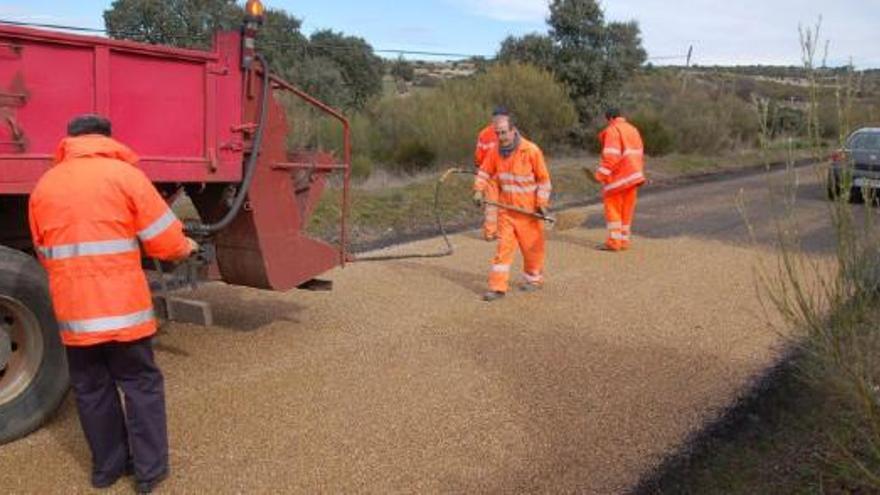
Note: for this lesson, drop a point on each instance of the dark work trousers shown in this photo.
(115, 435)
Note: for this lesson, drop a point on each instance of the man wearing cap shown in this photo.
(91, 214)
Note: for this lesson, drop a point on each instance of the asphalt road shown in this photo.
(402, 381)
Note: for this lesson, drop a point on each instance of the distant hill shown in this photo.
(777, 82)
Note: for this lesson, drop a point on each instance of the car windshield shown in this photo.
(865, 141)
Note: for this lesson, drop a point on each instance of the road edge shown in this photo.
(654, 187)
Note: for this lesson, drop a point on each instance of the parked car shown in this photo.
(856, 165)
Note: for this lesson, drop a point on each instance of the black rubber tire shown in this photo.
(857, 195)
(23, 280)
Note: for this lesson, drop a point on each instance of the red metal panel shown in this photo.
(229, 106)
(266, 247)
(60, 83)
(102, 80)
(184, 113)
(158, 105)
(178, 109)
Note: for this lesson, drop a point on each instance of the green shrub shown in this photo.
(699, 116)
(414, 156)
(542, 107)
(361, 167)
(656, 136)
(440, 126)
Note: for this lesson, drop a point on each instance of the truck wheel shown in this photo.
(33, 366)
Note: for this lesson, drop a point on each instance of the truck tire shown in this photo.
(33, 364)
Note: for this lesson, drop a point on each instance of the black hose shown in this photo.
(250, 167)
(437, 218)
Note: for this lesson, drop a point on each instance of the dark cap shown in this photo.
(612, 113)
(500, 110)
(89, 124)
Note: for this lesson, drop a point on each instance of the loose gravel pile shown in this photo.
(402, 380)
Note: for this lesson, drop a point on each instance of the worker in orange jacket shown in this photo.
(620, 172)
(524, 182)
(88, 214)
(487, 141)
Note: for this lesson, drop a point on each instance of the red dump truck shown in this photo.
(209, 125)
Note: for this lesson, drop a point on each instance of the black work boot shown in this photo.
(492, 295)
(101, 482)
(147, 486)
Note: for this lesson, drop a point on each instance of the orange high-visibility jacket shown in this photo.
(487, 140)
(523, 179)
(87, 214)
(623, 157)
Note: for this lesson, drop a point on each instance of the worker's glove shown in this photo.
(478, 198)
(193, 246)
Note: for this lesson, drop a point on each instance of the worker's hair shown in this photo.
(500, 110)
(89, 124)
(612, 113)
(509, 116)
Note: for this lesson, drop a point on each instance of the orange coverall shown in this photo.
(89, 216)
(487, 141)
(524, 182)
(620, 173)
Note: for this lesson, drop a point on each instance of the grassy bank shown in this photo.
(813, 424)
(784, 440)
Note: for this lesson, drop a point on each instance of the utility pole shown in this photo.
(687, 65)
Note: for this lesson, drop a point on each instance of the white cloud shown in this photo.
(508, 10)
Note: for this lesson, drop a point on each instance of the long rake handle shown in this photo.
(533, 214)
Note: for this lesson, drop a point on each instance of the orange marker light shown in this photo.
(255, 9)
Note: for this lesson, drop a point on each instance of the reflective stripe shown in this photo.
(157, 227)
(482, 175)
(544, 194)
(626, 180)
(518, 189)
(604, 171)
(523, 179)
(617, 236)
(485, 146)
(532, 278)
(491, 209)
(614, 225)
(611, 151)
(624, 237)
(94, 248)
(107, 324)
(501, 268)
(546, 186)
(626, 228)
(633, 152)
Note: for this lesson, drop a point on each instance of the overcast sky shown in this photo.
(722, 32)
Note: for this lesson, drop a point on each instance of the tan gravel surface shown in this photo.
(402, 380)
